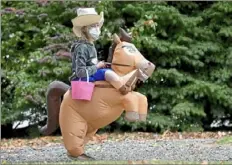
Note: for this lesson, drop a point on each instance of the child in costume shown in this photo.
(86, 26)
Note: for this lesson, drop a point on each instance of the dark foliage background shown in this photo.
(190, 43)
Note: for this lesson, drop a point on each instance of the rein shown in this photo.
(125, 65)
(104, 86)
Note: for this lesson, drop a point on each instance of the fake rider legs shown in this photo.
(123, 83)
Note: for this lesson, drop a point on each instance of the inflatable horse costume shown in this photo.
(79, 120)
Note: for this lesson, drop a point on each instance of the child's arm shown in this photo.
(81, 56)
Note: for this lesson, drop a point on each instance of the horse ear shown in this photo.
(125, 36)
(116, 39)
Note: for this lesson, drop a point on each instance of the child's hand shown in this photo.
(101, 64)
(108, 65)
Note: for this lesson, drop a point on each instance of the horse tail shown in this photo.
(55, 91)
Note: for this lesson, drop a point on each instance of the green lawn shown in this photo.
(129, 162)
(225, 140)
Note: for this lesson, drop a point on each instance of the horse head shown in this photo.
(126, 57)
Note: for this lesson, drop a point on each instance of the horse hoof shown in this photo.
(82, 157)
(131, 116)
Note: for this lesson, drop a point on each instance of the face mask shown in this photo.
(94, 32)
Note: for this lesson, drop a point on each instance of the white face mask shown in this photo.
(94, 32)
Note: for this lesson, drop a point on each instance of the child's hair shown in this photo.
(84, 33)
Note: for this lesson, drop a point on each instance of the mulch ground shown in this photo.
(98, 138)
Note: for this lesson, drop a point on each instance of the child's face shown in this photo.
(97, 25)
(94, 31)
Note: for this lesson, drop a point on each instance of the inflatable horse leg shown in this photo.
(90, 134)
(73, 129)
(130, 104)
(142, 106)
(55, 91)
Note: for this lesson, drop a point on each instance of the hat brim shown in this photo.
(77, 31)
(86, 20)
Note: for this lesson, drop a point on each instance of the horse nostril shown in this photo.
(149, 63)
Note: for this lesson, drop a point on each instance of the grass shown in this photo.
(156, 162)
(225, 140)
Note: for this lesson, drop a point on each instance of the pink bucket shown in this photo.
(82, 90)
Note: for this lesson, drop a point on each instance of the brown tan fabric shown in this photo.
(80, 120)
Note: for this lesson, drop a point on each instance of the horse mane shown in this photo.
(124, 36)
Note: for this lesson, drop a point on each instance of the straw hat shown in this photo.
(85, 17)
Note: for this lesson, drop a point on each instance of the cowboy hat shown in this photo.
(85, 17)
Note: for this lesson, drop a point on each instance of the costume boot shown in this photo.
(125, 83)
(122, 83)
(129, 84)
